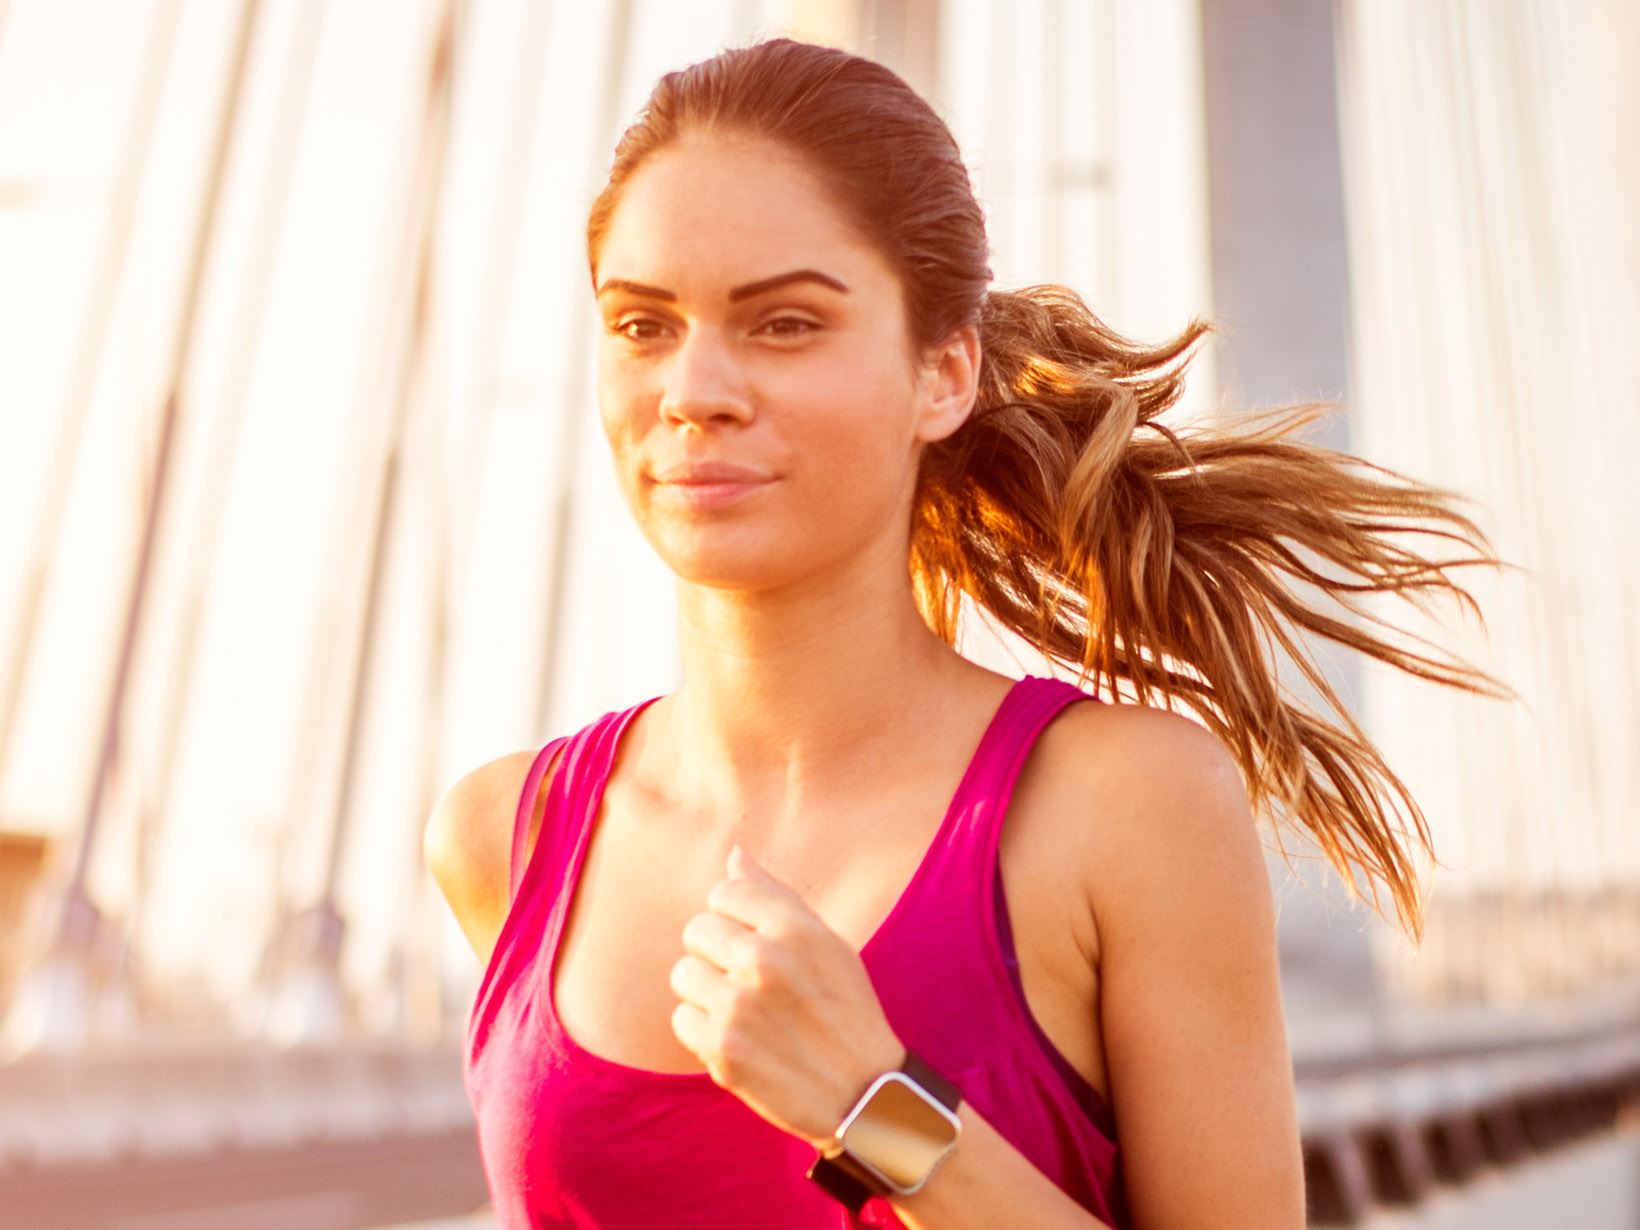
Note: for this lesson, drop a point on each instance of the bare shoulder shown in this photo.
(467, 843)
(1161, 808)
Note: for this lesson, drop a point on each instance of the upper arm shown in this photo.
(467, 843)
(1190, 998)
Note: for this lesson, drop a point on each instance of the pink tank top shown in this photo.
(570, 1139)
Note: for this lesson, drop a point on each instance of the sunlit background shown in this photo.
(304, 512)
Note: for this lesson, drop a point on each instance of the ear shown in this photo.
(949, 381)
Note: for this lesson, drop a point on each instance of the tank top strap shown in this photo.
(956, 864)
(971, 867)
(584, 766)
(526, 810)
(1035, 702)
(535, 880)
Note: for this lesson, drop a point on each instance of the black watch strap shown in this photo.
(839, 1181)
(947, 1094)
(840, 1178)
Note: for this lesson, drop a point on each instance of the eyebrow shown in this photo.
(736, 294)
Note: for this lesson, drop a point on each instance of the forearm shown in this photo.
(986, 1182)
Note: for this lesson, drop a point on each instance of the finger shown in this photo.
(718, 939)
(742, 864)
(759, 900)
(693, 1028)
(697, 981)
(758, 904)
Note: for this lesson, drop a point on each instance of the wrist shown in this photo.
(894, 1137)
(845, 1095)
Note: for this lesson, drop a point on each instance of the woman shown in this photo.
(725, 924)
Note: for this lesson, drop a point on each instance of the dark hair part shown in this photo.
(1154, 559)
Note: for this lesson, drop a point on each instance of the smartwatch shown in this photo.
(898, 1132)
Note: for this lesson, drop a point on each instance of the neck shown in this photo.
(793, 700)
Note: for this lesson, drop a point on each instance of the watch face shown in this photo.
(900, 1132)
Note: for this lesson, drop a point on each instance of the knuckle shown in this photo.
(732, 1052)
(765, 963)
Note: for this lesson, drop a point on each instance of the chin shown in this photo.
(731, 573)
(754, 562)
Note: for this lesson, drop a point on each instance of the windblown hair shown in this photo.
(1157, 560)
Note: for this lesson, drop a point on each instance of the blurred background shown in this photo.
(304, 512)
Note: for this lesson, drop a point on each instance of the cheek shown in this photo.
(625, 454)
(607, 391)
(876, 416)
(619, 404)
(614, 423)
(857, 451)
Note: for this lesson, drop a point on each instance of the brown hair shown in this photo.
(1064, 508)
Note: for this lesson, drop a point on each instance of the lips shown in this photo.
(709, 486)
(690, 473)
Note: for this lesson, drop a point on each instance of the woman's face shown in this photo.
(746, 324)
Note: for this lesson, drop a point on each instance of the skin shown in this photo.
(821, 728)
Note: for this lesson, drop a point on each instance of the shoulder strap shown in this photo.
(526, 810)
(1044, 698)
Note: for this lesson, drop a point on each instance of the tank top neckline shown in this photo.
(702, 1080)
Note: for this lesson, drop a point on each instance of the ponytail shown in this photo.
(1162, 561)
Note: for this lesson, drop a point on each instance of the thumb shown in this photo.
(741, 863)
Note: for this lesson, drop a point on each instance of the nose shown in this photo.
(703, 382)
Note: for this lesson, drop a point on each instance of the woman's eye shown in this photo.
(789, 326)
(635, 329)
(644, 329)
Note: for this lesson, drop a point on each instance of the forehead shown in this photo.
(713, 211)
